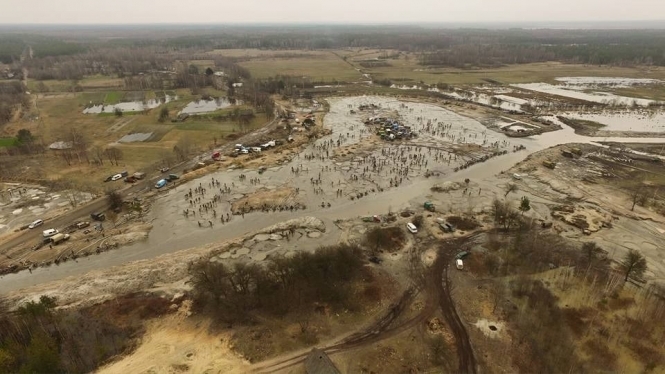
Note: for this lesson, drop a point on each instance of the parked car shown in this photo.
(172, 177)
(49, 233)
(83, 224)
(116, 177)
(161, 183)
(98, 216)
(138, 175)
(130, 179)
(57, 238)
(164, 170)
(447, 227)
(412, 228)
(459, 263)
(461, 255)
(375, 260)
(36, 223)
(517, 176)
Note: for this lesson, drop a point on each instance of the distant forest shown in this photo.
(434, 47)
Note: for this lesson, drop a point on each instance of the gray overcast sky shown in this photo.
(318, 11)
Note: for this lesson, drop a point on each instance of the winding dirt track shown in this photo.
(467, 360)
(437, 288)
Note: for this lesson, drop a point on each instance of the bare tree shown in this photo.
(633, 265)
(510, 187)
(79, 143)
(638, 195)
(98, 155)
(183, 148)
(115, 199)
(591, 250)
(166, 158)
(505, 215)
(114, 155)
(525, 205)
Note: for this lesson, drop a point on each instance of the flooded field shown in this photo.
(205, 106)
(586, 82)
(633, 121)
(579, 93)
(129, 106)
(346, 174)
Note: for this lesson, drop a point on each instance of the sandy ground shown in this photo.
(177, 343)
(597, 204)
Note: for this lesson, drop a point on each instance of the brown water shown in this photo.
(173, 231)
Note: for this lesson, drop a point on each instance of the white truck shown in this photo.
(57, 238)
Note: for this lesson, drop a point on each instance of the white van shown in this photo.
(38, 222)
(49, 233)
(459, 263)
(412, 228)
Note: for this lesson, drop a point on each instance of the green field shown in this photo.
(320, 68)
(113, 97)
(7, 142)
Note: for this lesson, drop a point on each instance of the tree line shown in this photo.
(39, 338)
(12, 98)
(242, 292)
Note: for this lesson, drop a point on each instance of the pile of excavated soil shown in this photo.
(584, 217)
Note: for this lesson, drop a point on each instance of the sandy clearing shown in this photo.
(177, 343)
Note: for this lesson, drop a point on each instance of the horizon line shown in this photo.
(337, 23)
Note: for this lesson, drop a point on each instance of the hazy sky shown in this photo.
(315, 11)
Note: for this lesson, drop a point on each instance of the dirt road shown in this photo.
(83, 212)
(465, 356)
(437, 288)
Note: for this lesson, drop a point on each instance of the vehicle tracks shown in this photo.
(437, 287)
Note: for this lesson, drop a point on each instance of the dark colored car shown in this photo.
(98, 216)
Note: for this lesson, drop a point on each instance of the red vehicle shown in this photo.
(216, 155)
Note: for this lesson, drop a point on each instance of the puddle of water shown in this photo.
(130, 106)
(206, 106)
(136, 137)
(596, 97)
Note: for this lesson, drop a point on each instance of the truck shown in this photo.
(98, 216)
(429, 206)
(446, 227)
(57, 238)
